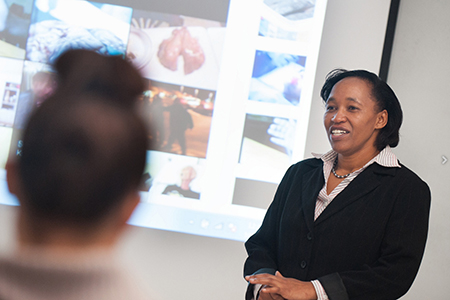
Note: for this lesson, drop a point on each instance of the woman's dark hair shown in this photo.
(384, 97)
(84, 71)
(85, 147)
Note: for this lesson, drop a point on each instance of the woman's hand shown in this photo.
(266, 296)
(278, 287)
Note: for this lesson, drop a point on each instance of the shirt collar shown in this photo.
(385, 158)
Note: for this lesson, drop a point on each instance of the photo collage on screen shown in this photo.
(15, 20)
(33, 34)
(178, 55)
(275, 91)
(228, 88)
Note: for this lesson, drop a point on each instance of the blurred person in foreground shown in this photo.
(351, 223)
(77, 180)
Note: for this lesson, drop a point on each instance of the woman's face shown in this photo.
(351, 119)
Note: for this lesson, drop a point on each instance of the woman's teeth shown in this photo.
(338, 132)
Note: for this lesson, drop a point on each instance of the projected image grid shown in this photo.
(180, 118)
(277, 80)
(287, 20)
(180, 56)
(188, 186)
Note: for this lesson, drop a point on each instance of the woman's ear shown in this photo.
(382, 119)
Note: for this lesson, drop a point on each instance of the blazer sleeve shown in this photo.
(403, 245)
(262, 246)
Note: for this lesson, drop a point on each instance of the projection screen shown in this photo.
(230, 87)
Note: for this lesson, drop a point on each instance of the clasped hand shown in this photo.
(278, 287)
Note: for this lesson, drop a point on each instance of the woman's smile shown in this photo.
(352, 118)
(338, 133)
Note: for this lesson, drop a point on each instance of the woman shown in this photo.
(77, 180)
(349, 224)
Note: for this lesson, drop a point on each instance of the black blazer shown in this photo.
(367, 244)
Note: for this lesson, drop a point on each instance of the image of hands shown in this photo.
(277, 78)
(282, 133)
(266, 148)
(177, 177)
(293, 9)
(15, 18)
(179, 118)
(59, 25)
(288, 20)
(176, 49)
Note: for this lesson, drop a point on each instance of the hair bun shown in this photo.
(83, 71)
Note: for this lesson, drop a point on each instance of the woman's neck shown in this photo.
(350, 163)
(62, 238)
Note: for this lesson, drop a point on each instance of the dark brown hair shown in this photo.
(85, 147)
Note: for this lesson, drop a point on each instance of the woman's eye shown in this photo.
(352, 108)
(328, 108)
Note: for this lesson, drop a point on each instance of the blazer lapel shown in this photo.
(313, 182)
(363, 184)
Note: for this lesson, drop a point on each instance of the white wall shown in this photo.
(179, 266)
(419, 73)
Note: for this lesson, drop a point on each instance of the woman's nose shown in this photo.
(338, 116)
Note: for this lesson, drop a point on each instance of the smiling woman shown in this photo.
(353, 120)
(340, 225)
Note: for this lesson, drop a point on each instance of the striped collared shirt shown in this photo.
(385, 158)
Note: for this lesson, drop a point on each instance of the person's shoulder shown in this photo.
(308, 163)
(304, 166)
(26, 94)
(402, 176)
(171, 187)
(404, 171)
(131, 286)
